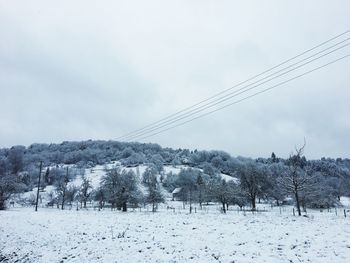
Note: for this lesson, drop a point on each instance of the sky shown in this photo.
(79, 70)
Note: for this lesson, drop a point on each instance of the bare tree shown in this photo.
(296, 181)
(100, 196)
(85, 190)
(200, 185)
(61, 187)
(72, 193)
(223, 193)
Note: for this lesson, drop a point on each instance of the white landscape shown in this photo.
(174, 131)
(172, 234)
(52, 235)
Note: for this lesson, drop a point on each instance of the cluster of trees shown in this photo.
(315, 184)
(195, 186)
(118, 187)
(311, 183)
(10, 180)
(90, 153)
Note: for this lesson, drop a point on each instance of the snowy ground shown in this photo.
(52, 235)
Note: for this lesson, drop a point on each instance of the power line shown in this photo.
(230, 97)
(212, 105)
(248, 97)
(243, 82)
(236, 92)
(309, 50)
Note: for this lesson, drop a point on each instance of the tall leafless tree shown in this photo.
(296, 180)
(85, 190)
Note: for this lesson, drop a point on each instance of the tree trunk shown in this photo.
(223, 207)
(63, 197)
(304, 206)
(298, 202)
(190, 201)
(253, 201)
(125, 208)
(2, 204)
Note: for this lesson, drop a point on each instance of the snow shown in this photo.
(345, 201)
(93, 174)
(171, 235)
(177, 190)
(96, 173)
(228, 178)
(52, 235)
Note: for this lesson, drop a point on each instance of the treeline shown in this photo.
(311, 183)
(314, 184)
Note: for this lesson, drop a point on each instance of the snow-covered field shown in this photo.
(52, 235)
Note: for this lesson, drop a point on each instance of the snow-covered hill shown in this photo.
(94, 175)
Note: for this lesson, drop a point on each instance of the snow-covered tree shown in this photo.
(61, 187)
(100, 196)
(72, 194)
(158, 162)
(15, 159)
(8, 186)
(85, 190)
(187, 180)
(200, 186)
(297, 180)
(169, 182)
(120, 187)
(223, 193)
(251, 177)
(273, 189)
(150, 172)
(154, 194)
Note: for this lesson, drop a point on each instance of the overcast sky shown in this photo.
(78, 70)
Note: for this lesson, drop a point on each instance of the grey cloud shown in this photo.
(79, 71)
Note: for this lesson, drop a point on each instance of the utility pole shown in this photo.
(64, 188)
(37, 194)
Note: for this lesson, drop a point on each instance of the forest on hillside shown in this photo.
(310, 183)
